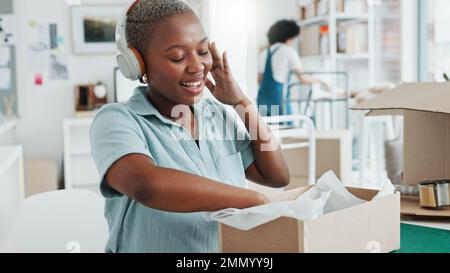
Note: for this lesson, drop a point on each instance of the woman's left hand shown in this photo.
(225, 89)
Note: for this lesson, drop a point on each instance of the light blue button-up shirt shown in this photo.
(223, 154)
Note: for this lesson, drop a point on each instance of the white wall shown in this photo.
(43, 108)
(228, 24)
(240, 27)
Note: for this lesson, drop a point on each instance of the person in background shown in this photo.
(276, 63)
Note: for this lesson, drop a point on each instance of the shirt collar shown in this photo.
(140, 104)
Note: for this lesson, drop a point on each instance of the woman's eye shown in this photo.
(177, 60)
(203, 53)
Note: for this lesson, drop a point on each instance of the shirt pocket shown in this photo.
(231, 170)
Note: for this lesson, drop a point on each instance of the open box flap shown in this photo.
(430, 97)
(385, 112)
(366, 194)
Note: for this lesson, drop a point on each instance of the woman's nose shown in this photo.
(195, 65)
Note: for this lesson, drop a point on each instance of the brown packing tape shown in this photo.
(427, 196)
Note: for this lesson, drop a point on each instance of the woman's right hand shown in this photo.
(261, 199)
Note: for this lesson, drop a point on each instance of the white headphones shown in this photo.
(129, 60)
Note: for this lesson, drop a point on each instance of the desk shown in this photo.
(433, 223)
(422, 230)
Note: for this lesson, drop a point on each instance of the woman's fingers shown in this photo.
(217, 60)
(226, 64)
(210, 85)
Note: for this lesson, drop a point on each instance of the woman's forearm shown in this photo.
(178, 191)
(269, 159)
(307, 79)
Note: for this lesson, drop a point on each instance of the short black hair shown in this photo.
(282, 31)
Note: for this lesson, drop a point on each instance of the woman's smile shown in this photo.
(194, 85)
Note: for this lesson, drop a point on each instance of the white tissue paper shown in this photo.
(328, 195)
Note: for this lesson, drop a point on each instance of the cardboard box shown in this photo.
(426, 111)
(333, 152)
(310, 44)
(40, 175)
(368, 227)
(311, 9)
(340, 6)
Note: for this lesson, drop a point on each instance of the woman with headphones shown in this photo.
(168, 154)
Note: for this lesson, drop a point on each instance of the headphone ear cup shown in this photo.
(131, 63)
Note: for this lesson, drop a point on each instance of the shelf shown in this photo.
(355, 56)
(337, 17)
(339, 56)
(345, 17)
(390, 56)
(315, 57)
(313, 20)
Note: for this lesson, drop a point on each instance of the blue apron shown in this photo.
(270, 91)
(288, 97)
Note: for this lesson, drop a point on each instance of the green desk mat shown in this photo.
(417, 239)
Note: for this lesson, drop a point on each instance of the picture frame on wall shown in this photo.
(93, 29)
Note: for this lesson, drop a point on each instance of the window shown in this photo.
(435, 42)
(388, 41)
